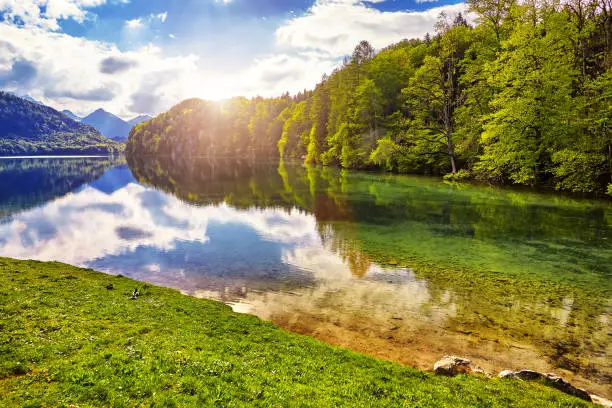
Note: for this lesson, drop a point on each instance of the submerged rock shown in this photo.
(549, 379)
(453, 365)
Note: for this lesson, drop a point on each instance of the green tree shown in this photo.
(296, 131)
(532, 108)
(319, 116)
(435, 93)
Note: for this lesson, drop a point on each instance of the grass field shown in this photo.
(74, 337)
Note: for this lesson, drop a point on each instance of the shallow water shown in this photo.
(404, 268)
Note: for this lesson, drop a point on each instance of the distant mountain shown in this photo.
(109, 125)
(71, 115)
(28, 128)
(139, 119)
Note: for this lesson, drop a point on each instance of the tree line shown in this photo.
(524, 96)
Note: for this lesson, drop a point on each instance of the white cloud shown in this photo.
(72, 73)
(336, 26)
(46, 13)
(134, 24)
(139, 23)
(274, 74)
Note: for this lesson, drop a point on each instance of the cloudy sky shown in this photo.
(135, 57)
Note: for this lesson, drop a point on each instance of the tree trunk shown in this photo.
(451, 153)
(610, 160)
(448, 131)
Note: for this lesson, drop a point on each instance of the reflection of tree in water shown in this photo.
(242, 183)
(29, 183)
(333, 212)
(445, 234)
(320, 192)
(358, 262)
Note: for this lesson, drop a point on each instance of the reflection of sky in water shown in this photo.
(119, 226)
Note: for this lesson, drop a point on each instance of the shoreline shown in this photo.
(58, 157)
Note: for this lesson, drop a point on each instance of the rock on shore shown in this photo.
(453, 365)
(549, 379)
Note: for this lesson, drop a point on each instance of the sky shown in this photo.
(133, 57)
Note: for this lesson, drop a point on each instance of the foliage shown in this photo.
(27, 128)
(461, 175)
(524, 97)
(74, 337)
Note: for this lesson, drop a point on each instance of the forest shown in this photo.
(521, 96)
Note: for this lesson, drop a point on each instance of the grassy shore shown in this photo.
(73, 337)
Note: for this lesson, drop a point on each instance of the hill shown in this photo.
(108, 124)
(28, 128)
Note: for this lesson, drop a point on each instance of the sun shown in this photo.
(211, 90)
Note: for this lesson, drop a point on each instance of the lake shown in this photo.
(400, 267)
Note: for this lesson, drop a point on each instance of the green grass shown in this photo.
(66, 339)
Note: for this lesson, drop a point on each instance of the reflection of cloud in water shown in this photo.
(234, 255)
(152, 235)
(78, 228)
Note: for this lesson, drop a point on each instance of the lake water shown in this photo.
(404, 268)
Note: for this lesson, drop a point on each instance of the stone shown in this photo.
(453, 365)
(559, 383)
(527, 375)
(506, 374)
(551, 380)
